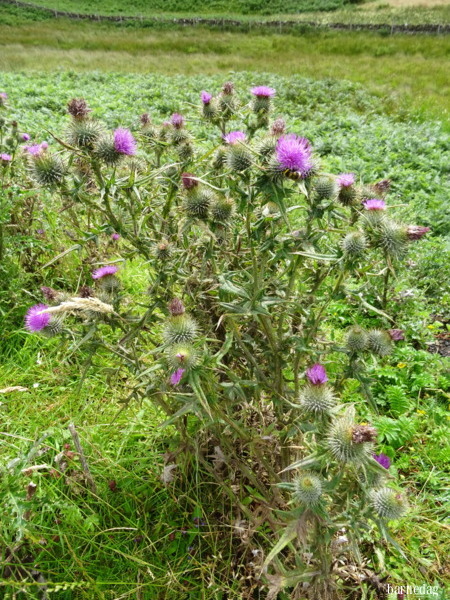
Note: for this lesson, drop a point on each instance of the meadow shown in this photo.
(370, 104)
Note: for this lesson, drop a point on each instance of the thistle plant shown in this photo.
(247, 240)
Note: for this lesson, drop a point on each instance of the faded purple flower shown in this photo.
(262, 91)
(48, 293)
(228, 88)
(234, 137)
(345, 179)
(383, 460)
(105, 271)
(374, 204)
(294, 153)
(317, 374)
(145, 119)
(177, 120)
(175, 378)
(415, 232)
(396, 334)
(363, 433)
(25, 137)
(176, 307)
(3, 95)
(206, 97)
(40, 231)
(124, 142)
(189, 181)
(35, 321)
(5, 158)
(278, 127)
(36, 149)
(115, 236)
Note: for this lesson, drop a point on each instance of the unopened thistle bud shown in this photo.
(181, 329)
(266, 148)
(357, 339)
(379, 341)
(222, 210)
(198, 201)
(342, 444)
(220, 158)
(163, 250)
(47, 169)
(185, 152)
(182, 356)
(238, 158)
(317, 399)
(78, 108)
(354, 244)
(392, 238)
(325, 187)
(307, 489)
(347, 191)
(84, 133)
(227, 101)
(389, 504)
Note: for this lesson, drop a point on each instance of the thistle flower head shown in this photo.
(234, 137)
(382, 460)
(317, 399)
(294, 153)
(415, 232)
(307, 489)
(189, 181)
(278, 127)
(380, 342)
(345, 179)
(346, 441)
(78, 108)
(36, 149)
(357, 339)
(175, 378)
(177, 120)
(144, 119)
(124, 142)
(228, 88)
(3, 98)
(176, 307)
(182, 356)
(105, 271)
(49, 293)
(115, 236)
(316, 374)
(181, 329)
(35, 319)
(397, 335)
(206, 97)
(24, 137)
(5, 158)
(389, 504)
(374, 204)
(85, 292)
(262, 91)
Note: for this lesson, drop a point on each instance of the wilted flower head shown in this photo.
(35, 321)
(234, 137)
(124, 142)
(228, 88)
(206, 97)
(396, 334)
(85, 292)
(145, 119)
(175, 378)
(294, 153)
(189, 181)
(176, 307)
(317, 374)
(262, 91)
(177, 120)
(278, 127)
(374, 204)
(363, 433)
(383, 460)
(49, 293)
(25, 137)
(115, 236)
(415, 232)
(5, 158)
(345, 179)
(105, 271)
(78, 108)
(382, 186)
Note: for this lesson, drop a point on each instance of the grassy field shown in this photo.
(409, 72)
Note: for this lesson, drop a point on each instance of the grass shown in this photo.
(409, 71)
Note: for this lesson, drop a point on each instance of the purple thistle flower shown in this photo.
(374, 204)
(383, 460)
(206, 97)
(175, 378)
(234, 137)
(105, 271)
(177, 120)
(345, 179)
(115, 236)
(317, 374)
(35, 321)
(189, 181)
(3, 95)
(262, 91)
(40, 231)
(294, 153)
(36, 149)
(25, 137)
(124, 142)
(415, 232)
(396, 334)
(5, 158)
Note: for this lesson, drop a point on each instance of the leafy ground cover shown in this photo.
(409, 71)
(172, 547)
